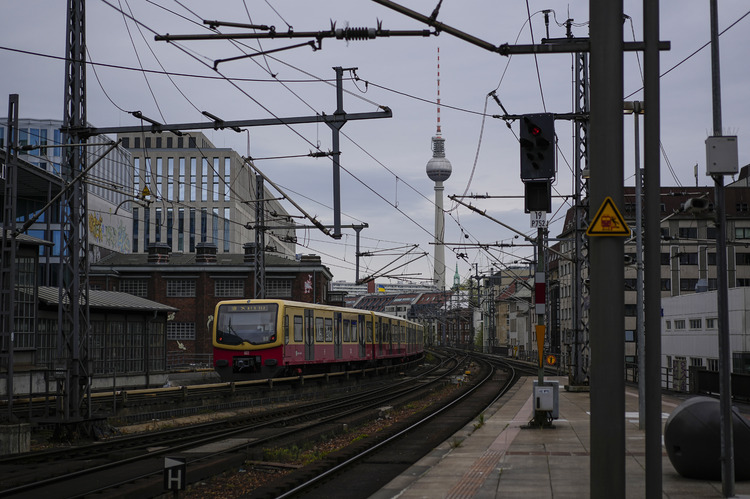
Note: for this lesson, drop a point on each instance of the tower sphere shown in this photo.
(438, 167)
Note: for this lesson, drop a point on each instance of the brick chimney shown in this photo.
(205, 252)
(158, 253)
(310, 259)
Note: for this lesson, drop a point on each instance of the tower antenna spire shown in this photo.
(438, 92)
(439, 170)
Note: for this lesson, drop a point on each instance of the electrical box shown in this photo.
(721, 155)
(547, 397)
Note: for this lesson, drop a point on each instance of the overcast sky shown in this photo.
(384, 183)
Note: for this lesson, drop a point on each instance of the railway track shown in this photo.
(123, 401)
(133, 466)
(361, 470)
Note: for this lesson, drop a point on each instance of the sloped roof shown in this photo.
(114, 300)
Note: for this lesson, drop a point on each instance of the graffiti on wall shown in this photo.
(109, 235)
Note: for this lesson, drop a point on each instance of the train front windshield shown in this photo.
(253, 324)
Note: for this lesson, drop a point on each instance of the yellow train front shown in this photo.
(256, 339)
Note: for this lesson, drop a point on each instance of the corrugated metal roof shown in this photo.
(114, 300)
(27, 239)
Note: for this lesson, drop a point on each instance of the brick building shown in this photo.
(194, 283)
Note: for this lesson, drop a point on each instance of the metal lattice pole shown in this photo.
(259, 267)
(73, 313)
(580, 326)
(8, 174)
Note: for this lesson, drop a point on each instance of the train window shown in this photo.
(346, 330)
(353, 333)
(286, 329)
(298, 328)
(319, 332)
(246, 324)
(329, 329)
(369, 331)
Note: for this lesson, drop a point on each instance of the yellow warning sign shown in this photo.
(608, 221)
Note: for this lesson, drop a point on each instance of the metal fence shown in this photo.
(183, 360)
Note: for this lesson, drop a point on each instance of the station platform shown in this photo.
(499, 459)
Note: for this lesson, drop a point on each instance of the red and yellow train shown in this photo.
(255, 339)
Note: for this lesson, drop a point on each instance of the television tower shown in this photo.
(439, 170)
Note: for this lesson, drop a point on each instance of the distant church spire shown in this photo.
(456, 278)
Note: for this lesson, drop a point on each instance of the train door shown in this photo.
(361, 336)
(337, 347)
(309, 335)
(369, 329)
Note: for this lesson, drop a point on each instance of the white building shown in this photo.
(690, 332)
(199, 193)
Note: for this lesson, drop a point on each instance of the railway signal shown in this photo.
(537, 139)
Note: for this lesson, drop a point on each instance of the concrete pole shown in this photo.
(652, 257)
(439, 270)
(722, 286)
(607, 324)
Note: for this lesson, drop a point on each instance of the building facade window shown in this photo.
(135, 287)
(204, 180)
(25, 303)
(180, 288)
(146, 228)
(215, 191)
(229, 288)
(688, 233)
(696, 323)
(170, 179)
(227, 230)
(180, 331)
(688, 258)
(170, 227)
(215, 225)
(193, 173)
(711, 323)
(679, 324)
(204, 225)
(181, 229)
(688, 284)
(157, 224)
(159, 178)
(227, 178)
(278, 288)
(191, 235)
(181, 181)
(136, 177)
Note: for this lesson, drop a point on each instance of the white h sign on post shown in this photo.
(175, 469)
